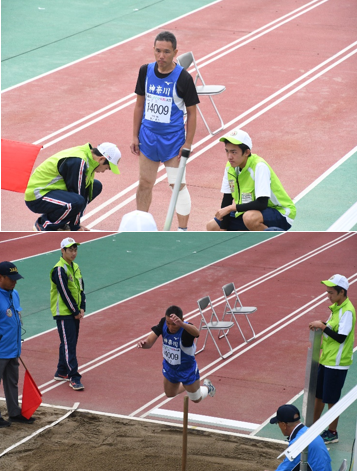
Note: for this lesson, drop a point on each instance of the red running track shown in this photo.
(291, 136)
(281, 277)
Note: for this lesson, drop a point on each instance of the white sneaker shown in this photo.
(207, 383)
(182, 229)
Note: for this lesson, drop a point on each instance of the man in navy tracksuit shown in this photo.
(68, 305)
(10, 342)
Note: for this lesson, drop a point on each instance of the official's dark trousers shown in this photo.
(59, 207)
(9, 376)
(68, 329)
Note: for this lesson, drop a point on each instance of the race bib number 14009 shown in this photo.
(172, 354)
(158, 108)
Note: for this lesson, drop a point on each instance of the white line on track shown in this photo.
(251, 346)
(324, 175)
(346, 221)
(232, 122)
(233, 46)
(42, 234)
(132, 344)
(243, 288)
(110, 47)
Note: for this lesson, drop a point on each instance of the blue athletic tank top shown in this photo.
(163, 110)
(175, 355)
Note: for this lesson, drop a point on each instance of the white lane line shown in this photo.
(133, 343)
(214, 53)
(219, 56)
(219, 300)
(110, 47)
(257, 341)
(251, 346)
(102, 110)
(346, 221)
(234, 121)
(324, 175)
(202, 141)
(53, 250)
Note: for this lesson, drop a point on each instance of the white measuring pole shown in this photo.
(185, 153)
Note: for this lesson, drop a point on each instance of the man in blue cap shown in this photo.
(288, 420)
(10, 342)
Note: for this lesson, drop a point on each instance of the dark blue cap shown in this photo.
(10, 270)
(286, 414)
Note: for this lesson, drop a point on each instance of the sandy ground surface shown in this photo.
(86, 441)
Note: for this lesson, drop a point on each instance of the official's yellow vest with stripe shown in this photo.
(46, 176)
(242, 188)
(75, 286)
(334, 353)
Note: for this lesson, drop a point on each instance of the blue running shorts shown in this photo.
(158, 147)
(186, 377)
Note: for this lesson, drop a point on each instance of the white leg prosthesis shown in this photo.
(183, 205)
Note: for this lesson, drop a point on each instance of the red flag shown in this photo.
(31, 396)
(17, 161)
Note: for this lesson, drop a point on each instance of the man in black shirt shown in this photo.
(164, 90)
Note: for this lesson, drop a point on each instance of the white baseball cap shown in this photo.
(335, 280)
(68, 242)
(112, 154)
(237, 136)
(138, 221)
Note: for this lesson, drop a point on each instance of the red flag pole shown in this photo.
(22, 362)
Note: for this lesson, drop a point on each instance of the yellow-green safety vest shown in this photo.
(334, 353)
(75, 286)
(242, 187)
(46, 176)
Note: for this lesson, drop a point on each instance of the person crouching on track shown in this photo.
(61, 187)
(254, 198)
(180, 369)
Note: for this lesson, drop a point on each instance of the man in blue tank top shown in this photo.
(164, 90)
(180, 369)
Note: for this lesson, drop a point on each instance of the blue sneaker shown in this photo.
(207, 383)
(61, 377)
(37, 226)
(76, 385)
(329, 437)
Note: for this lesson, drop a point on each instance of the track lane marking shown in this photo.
(209, 146)
(251, 346)
(109, 47)
(214, 53)
(133, 344)
(217, 57)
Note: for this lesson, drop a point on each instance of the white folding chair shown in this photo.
(185, 60)
(237, 309)
(213, 324)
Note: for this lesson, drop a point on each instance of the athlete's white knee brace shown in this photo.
(194, 396)
(183, 205)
